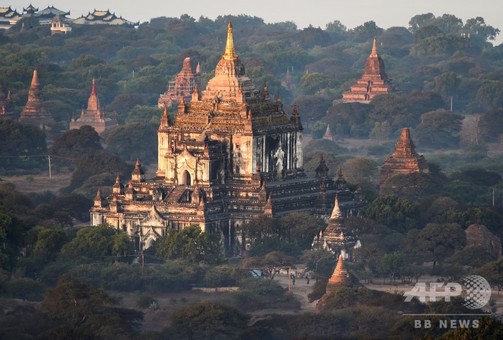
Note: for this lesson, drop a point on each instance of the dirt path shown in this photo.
(300, 290)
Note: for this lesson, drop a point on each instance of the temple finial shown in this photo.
(374, 49)
(229, 54)
(93, 88)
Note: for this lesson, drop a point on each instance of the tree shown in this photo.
(77, 142)
(269, 263)
(366, 32)
(133, 141)
(397, 213)
(435, 242)
(189, 244)
(361, 170)
(22, 147)
(421, 20)
(101, 241)
(439, 129)
(85, 312)
(207, 320)
(477, 27)
(391, 265)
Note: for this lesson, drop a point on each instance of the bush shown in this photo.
(24, 288)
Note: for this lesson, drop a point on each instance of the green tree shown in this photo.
(189, 244)
(436, 242)
(77, 142)
(100, 241)
(421, 20)
(207, 320)
(269, 263)
(133, 141)
(477, 27)
(85, 312)
(397, 213)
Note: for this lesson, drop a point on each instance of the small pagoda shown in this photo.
(405, 159)
(336, 238)
(93, 115)
(373, 82)
(182, 86)
(34, 112)
(7, 108)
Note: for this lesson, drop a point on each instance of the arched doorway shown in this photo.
(186, 178)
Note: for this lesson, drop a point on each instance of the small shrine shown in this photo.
(183, 85)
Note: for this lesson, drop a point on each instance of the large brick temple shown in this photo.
(405, 160)
(230, 154)
(374, 80)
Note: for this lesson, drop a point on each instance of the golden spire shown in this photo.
(229, 54)
(336, 212)
(374, 49)
(93, 89)
(34, 79)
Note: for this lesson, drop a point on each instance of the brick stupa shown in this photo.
(93, 115)
(34, 112)
(182, 86)
(373, 82)
(405, 159)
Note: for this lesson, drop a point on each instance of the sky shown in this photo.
(351, 13)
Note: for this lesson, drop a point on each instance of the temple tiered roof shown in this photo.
(34, 112)
(405, 159)
(184, 85)
(373, 82)
(8, 17)
(93, 115)
(99, 17)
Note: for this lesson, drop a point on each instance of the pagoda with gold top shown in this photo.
(373, 82)
(230, 154)
(93, 115)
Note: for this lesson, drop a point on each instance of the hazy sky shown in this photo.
(352, 13)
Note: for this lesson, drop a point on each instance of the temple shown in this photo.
(328, 134)
(58, 26)
(373, 82)
(182, 86)
(336, 238)
(93, 115)
(46, 16)
(8, 17)
(404, 160)
(230, 154)
(103, 18)
(34, 112)
(7, 108)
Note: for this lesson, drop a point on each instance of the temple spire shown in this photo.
(34, 80)
(229, 54)
(336, 212)
(93, 88)
(373, 53)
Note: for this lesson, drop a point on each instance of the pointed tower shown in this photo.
(229, 75)
(405, 159)
(34, 112)
(93, 115)
(328, 134)
(337, 237)
(182, 86)
(6, 108)
(339, 277)
(374, 80)
(138, 174)
(98, 199)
